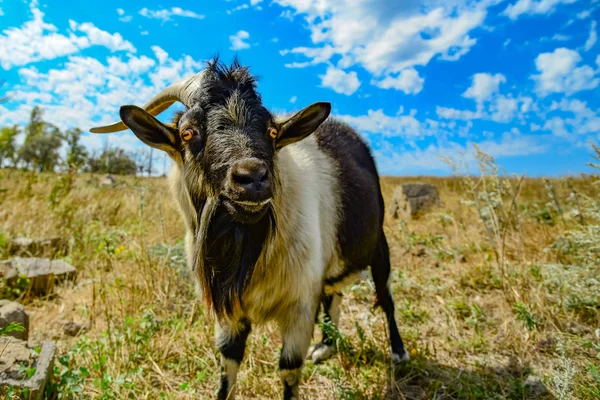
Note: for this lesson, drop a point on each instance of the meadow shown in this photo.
(497, 295)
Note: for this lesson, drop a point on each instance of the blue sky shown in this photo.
(420, 80)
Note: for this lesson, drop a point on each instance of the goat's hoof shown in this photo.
(398, 359)
(320, 352)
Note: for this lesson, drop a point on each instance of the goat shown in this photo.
(280, 214)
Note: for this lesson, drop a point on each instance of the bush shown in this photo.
(113, 161)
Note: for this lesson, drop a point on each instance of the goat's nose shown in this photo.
(250, 176)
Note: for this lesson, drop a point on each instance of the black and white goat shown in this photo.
(280, 215)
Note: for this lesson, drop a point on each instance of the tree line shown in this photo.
(40, 150)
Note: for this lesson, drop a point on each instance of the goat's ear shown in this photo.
(150, 130)
(302, 124)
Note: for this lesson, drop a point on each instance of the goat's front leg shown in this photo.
(231, 341)
(296, 332)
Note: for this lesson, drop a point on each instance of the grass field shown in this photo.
(497, 296)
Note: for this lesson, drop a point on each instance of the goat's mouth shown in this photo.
(244, 211)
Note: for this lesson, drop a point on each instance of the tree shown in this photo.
(76, 153)
(8, 149)
(113, 161)
(36, 126)
(41, 151)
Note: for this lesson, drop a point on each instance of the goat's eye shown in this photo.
(188, 134)
(272, 132)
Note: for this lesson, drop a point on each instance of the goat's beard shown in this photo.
(226, 253)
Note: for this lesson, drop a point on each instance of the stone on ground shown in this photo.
(413, 198)
(10, 312)
(73, 328)
(17, 354)
(108, 180)
(43, 273)
(27, 247)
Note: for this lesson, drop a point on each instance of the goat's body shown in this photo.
(280, 215)
(328, 215)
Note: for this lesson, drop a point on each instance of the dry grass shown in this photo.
(476, 327)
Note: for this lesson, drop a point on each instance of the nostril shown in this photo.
(264, 177)
(243, 179)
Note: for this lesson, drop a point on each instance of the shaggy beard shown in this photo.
(226, 254)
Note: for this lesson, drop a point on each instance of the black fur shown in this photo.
(326, 300)
(288, 391)
(380, 269)
(362, 203)
(360, 234)
(222, 80)
(287, 363)
(235, 348)
(230, 253)
(224, 388)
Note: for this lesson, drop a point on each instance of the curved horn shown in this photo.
(182, 91)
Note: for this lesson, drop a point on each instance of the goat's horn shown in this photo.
(182, 91)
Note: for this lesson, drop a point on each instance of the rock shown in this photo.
(43, 273)
(22, 246)
(108, 180)
(16, 353)
(577, 329)
(10, 312)
(412, 198)
(534, 386)
(72, 328)
(420, 251)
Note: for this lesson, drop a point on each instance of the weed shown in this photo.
(565, 373)
(524, 314)
(12, 327)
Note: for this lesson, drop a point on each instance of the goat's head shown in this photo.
(225, 141)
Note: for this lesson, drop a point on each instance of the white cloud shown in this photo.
(407, 81)
(591, 40)
(1, 12)
(238, 8)
(431, 158)
(237, 40)
(37, 40)
(532, 7)
(166, 14)
(560, 38)
(575, 118)
(255, 2)
(386, 37)
(85, 91)
(293, 99)
(287, 14)
(452, 113)
(559, 73)
(317, 55)
(490, 104)
(504, 109)
(99, 37)
(584, 14)
(122, 16)
(340, 81)
(484, 85)
(376, 121)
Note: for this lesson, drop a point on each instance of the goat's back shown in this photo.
(362, 208)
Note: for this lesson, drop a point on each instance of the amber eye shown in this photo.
(188, 134)
(273, 133)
